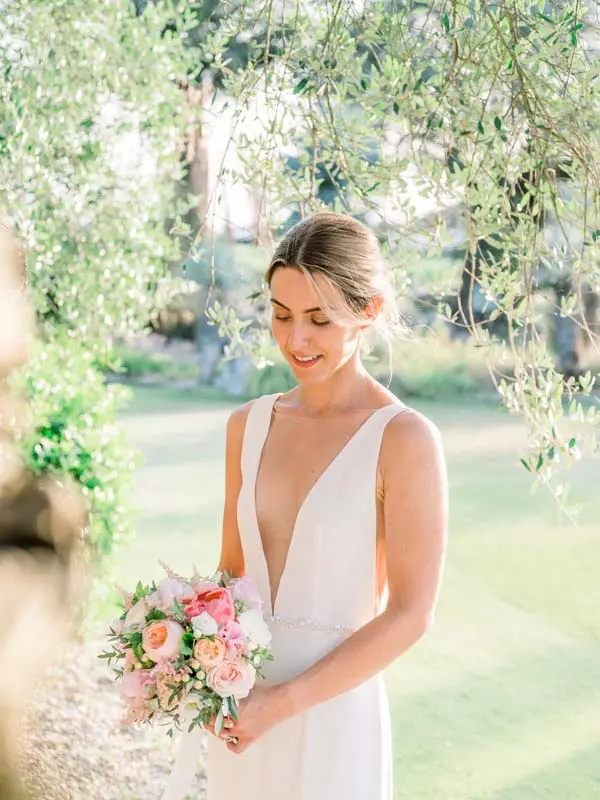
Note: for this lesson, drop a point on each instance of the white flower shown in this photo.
(255, 628)
(168, 591)
(204, 625)
(136, 615)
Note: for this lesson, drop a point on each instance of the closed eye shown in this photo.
(320, 323)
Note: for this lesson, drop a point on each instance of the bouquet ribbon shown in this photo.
(186, 761)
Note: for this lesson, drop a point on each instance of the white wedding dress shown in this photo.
(339, 749)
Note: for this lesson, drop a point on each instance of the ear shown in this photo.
(374, 307)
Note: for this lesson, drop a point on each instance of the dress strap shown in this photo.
(387, 413)
(369, 445)
(255, 433)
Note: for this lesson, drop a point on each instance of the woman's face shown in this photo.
(313, 345)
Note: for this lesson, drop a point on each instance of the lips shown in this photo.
(304, 362)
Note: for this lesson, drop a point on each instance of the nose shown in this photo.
(299, 337)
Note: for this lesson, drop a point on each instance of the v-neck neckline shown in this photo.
(307, 497)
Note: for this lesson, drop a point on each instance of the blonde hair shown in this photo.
(346, 254)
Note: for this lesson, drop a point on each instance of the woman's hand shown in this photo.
(265, 707)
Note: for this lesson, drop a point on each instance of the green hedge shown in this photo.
(72, 430)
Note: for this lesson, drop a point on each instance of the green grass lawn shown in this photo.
(502, 700)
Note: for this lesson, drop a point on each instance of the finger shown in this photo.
(228, 732)
(211, 729)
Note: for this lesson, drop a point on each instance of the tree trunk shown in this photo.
(567, 334)
(197, 157)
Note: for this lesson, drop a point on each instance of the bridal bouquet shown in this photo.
(188, 650)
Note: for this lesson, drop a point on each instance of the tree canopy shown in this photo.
(459, 123)
(469, 120)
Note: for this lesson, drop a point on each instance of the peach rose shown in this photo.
(162, 639)
(231, 679)
(210, 652)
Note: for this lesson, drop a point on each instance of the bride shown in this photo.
(336, 505)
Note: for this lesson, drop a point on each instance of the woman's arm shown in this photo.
(416, 516)
(232, 556)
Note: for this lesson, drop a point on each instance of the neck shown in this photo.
(346, 390)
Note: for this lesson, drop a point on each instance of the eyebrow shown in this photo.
(306, 311)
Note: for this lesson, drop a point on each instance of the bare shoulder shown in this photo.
(408, 436)
(236, 427)
(237, 419)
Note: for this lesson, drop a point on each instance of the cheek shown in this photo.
(278, 331)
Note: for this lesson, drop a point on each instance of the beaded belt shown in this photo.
(306, 623)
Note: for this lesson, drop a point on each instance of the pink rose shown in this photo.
(216, 602)
(232, 679)
(234, 637)
(132, 685)
(245, 591)
(162, 639)
(210, 652)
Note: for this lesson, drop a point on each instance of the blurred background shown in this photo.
(151, 154)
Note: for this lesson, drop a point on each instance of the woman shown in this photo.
(336, 506)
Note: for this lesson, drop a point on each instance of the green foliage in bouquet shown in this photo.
(171, 683)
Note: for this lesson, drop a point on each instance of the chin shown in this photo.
(313, 375)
